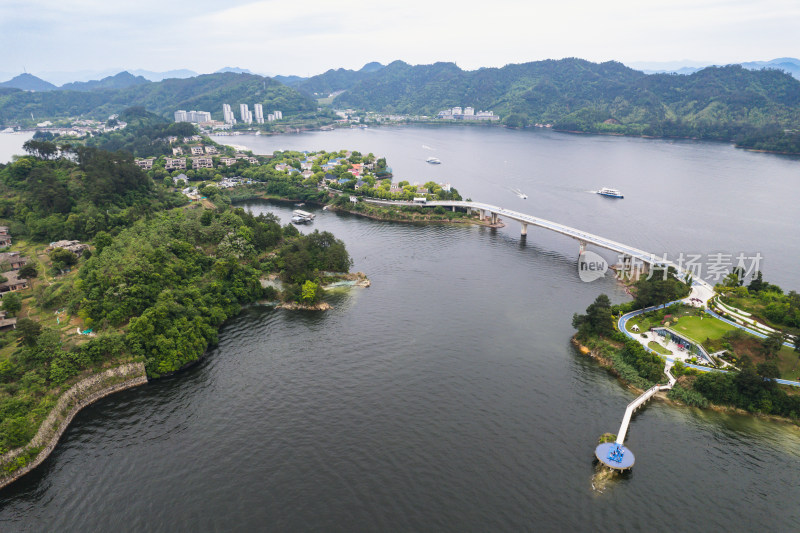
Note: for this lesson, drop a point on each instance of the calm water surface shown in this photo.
(446, 397)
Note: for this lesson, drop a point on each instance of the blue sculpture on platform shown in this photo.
(616, 453)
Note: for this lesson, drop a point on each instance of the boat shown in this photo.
(433, 161)
(302, 217)
(520, 194)
(611, 193)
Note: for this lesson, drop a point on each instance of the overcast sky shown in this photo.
(306, 37)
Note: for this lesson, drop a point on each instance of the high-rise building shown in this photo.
(244, 112)
(270, 117)
(278, 115)
(259, 113)
(469, 110)
(199, 116)
(192, 116)
(227, 114)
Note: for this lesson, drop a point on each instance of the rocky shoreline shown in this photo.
(16, 463)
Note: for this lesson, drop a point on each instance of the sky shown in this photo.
(307, 37)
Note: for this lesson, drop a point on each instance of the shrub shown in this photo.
(689, 397)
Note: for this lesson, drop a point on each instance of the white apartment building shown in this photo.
(245, 114)
(227, 114)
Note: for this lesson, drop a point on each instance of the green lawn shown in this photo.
(701, 329)
(653, 345)
(788, 363)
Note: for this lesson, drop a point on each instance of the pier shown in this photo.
(614, 454)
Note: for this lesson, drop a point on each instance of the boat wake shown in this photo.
(426, 147)
(519, 193)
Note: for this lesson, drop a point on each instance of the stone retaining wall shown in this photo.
(83, 393)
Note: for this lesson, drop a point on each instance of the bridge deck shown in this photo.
(582, 236)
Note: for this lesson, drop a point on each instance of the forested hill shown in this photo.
(75, 192)
(333, 80)
(207, 93)
(574, 94)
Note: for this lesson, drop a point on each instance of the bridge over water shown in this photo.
(627, 253)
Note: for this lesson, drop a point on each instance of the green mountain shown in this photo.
(118, 81)
(574, 94)
(206, 93)
(28, 82)
(333, 80)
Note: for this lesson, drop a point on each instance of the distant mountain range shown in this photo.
(28, 82)
(235, 70)
(119, 81)
(206, 92)
(573, 94)
(786, 64)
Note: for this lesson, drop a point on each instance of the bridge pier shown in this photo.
(481, 214)
(524, 230)
(454, 209)
(494, 218)
(581, 247)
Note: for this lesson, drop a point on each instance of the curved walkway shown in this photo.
(740, 326)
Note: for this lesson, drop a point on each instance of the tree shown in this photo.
(28, 270)
(735, 278)
(769, 370)
(757, 283)
(772, 344)
(12, 302)
(63, 259)
(598, 318)
(310, 292)
(101, 240)
(28, 331)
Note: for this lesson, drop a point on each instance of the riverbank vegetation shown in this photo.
(154, 286)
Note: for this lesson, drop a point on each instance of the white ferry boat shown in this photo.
(302, 217)
(611, 193)
(433, 161)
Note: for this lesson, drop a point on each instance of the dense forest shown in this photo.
(206, 92)
(76, 192)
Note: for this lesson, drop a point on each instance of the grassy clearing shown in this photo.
(702, 328)
(653, 345)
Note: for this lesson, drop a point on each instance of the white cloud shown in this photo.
(309, 36)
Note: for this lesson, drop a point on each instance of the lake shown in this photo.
(447, 396)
